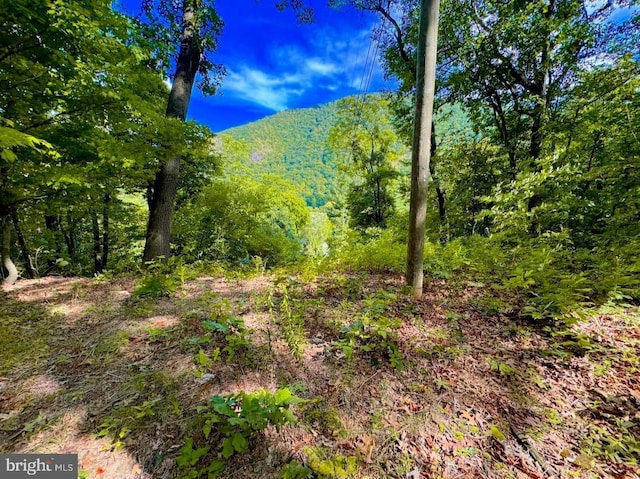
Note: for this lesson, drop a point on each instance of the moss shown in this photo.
(326, 465)
(325, 419)
(24, 334)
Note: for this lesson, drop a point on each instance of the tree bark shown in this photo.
(97, 246)
(105, 230)
(26, 255)
(442, 199)
(5, 250)
(421, 152)
(53, 225)
(69, 236)
(165, 187)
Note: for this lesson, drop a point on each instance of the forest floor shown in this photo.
(443, 387)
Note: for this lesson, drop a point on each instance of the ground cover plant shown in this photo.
(381, 385)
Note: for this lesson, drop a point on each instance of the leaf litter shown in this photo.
(93, 370)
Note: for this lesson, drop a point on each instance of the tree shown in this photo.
(363, 132)
(516, 63)
(78, 123)
(236, 218)
(513, 65)
(197, 25)
(421, 151)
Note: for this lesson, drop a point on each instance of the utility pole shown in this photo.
(421, 151)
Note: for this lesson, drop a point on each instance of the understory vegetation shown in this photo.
(329, 376)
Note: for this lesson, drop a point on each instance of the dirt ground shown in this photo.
(444, 387)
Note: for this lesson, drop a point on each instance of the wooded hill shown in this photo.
(274, 288)
(293, 144)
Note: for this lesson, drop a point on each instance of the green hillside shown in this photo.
(293, 144)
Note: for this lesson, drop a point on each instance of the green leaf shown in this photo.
(227, 448)
(282, 395)
(215, 326)
(239, 442)
(219, 405)
(215, 467)
(8, 155)
(237, 421)
(497, 433)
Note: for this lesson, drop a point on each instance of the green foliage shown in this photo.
(227, 329)
(164, 22)
(157, 401)
(331, 466)
(189, 456)
(382, 251)
(369, 148)
(291, 320)
(317, 234)
(496, 433)
(502, 368)
(237, 218)
(82, 128)
(159, 281)
(540, 279)
(291, 144)
(232, 422)
(375, 334)
(295, 470)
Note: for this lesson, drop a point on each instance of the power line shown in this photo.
(367, 72)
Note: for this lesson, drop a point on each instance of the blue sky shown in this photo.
(274, 64)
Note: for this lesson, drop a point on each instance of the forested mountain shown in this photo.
(293, 144)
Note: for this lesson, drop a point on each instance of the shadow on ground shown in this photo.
(89, 368)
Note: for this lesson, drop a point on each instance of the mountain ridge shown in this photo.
(293, 144)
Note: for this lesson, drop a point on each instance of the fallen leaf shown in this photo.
(415, 474)
(584, 461)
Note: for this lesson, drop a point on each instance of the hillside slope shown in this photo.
(293, 145)
(432, 388)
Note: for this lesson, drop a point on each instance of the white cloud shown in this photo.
(255, 86)
(333, 61)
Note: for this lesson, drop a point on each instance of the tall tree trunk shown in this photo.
(421, 152)
(69, 236)
(165, 186)
(442, 213)
(26, 255)
(105, 230)
(97, 246)
(5, 250)
(442, 206)
(52, 223)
